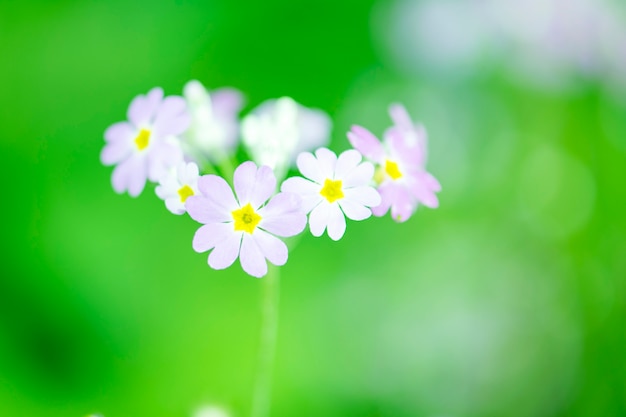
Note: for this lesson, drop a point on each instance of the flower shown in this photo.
(210, 411)
(549, 43)
(146, 146)
(334, 187)
(278, 130)
(402, 180)
(244, 226)
(177, 186)
(214, 124)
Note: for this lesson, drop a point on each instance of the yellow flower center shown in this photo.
(332, 190)
(246, 219)
(185, 192)
(391, 168)
(143, 139)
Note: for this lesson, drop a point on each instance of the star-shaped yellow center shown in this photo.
(143, 139)
(332, 190)
(185, 192)
(246, 219)
(391, 168)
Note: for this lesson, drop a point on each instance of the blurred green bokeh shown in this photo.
(509, 300)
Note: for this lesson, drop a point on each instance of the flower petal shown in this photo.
(121, 131)
(365, 142)
(226, 102)
(204, 210)
(283, 215)
(167, 188)
(307, 190)
(327, 161)
(400, 116)
(218, 192)
(309, 167)
(142, 109)
(425, 195)
(431, 182)
(115, 152)
(211, 235)
(191, 173)
(360, 176)
(336, 222)
(163, 156)
(387, 193)
(174, 205)
(172, 117)
(226, 251)
(397, 197)
(251, 258)
(318, 219)
(346, 163)
(354, 211)
(407, 146)
(272, 248)
(365, 196)
(403, 206)
(252, 185)
(130, 175)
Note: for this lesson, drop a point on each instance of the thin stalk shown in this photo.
(267, 350)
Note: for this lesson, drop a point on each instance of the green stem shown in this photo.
(267, 349)
(226, 167)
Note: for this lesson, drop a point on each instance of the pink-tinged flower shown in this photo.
(178, 185)
(145, 146)
(243, 225)
(403, 182)
(335, 188)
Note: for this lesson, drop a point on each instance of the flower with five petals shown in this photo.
(244, 225)
(334, 188)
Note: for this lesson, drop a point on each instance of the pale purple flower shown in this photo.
(243, 225)
(178, 185)
(145, 146)
(214, 121)
(402, 180)
(334, 188)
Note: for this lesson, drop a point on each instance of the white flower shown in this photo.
(210, 411)
(214, 124)
(334, 187)
(178, 185)
(278, 130)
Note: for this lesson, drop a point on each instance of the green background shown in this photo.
(508, 300)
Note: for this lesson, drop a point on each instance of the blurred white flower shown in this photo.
(214, 121)
(278, 130)
(210, 411)
(540, 40)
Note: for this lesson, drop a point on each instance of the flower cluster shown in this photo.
(168, 140)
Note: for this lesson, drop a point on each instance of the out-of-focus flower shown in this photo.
(244, 226)
(334, 188)
(402, 180)
(178, 185)
(214, 124)
(145, 146)
(210, 411)
(546, 42)
(278, 130)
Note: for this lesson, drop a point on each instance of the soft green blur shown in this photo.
(508, 300)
